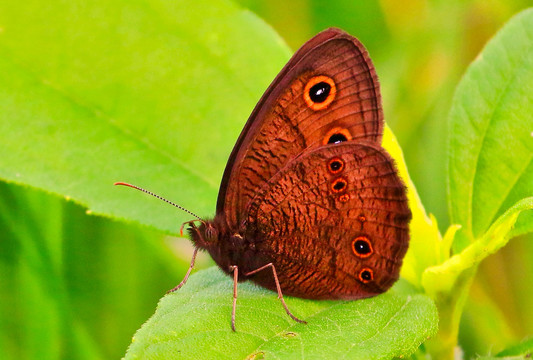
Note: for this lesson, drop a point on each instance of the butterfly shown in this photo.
(311, 205)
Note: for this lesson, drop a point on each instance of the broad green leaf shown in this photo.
(441, 278)
(150, 93)
(194, 323)
(491, 132)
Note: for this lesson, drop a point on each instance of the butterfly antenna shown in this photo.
(160, 198)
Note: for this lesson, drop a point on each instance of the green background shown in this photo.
(74, 285)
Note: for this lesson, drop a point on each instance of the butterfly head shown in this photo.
(203, 236)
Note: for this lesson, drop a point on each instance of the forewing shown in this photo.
(283, 124)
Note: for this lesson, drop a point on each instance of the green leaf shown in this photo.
(441, 278)
(150, 93)
(194, 323)
(491, 141)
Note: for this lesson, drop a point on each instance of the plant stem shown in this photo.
(450, 306)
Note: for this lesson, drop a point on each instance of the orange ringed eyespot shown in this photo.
(362, 247)
(361, 218)
(366, 275)
(339, 185)
(319, 92)
(337, 135)
(335, 165)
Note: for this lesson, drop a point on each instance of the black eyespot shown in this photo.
(366, 275)
(319, 92)
(335, 165)
(361, 247)
(338, 185)
(336, 135)
(336, 138)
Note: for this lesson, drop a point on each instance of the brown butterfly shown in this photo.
(310, 204)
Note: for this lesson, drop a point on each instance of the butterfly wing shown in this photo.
(334, 222)
(284, 124)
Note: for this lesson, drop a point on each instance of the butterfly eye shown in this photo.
(362, 247)
(319, 92)
(339, 185)
(211, 233)
(337, 135)
(335, 165)
(366, 275)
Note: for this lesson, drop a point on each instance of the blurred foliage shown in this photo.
(64, 275)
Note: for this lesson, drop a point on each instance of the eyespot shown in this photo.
(361, 218)
(319, 92)
(344, 198)
(335, 165)
(339, 184)
(366, 275)
(337, 135)
(362, 247)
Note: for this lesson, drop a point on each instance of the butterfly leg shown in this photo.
(278, 287)
(187, 274)
(235, 270)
